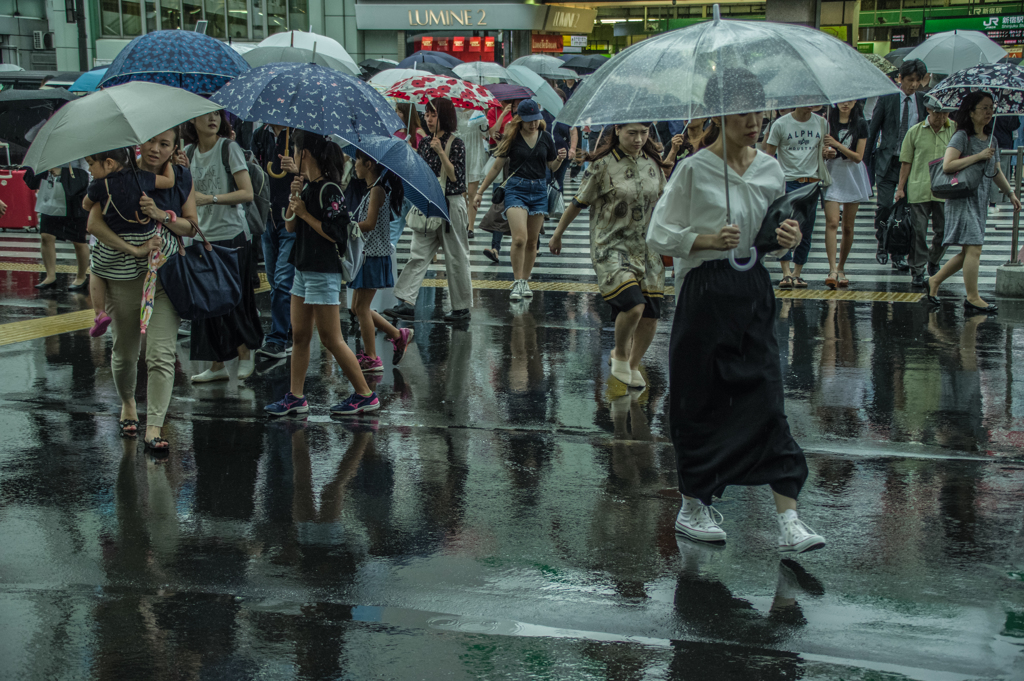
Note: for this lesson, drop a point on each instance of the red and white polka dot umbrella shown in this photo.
(464, 95)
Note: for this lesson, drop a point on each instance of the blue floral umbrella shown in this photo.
(1005, 82)
(311, 98)
(420, 182)
(185, 59)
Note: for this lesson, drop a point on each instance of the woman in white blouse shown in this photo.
(728, 422)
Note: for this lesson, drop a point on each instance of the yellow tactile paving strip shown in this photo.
(31, 329)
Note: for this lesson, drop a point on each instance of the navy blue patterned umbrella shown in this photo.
(312, 98)
(185, 59)
(398, 156)
(426, 56)
(1005, 82)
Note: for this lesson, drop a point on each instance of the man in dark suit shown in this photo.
(893, 116)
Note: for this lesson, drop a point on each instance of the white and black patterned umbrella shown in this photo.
(1005, 82)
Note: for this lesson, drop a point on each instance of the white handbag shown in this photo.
(415, 219)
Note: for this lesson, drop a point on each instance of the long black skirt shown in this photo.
(217, 339)
(728, 420)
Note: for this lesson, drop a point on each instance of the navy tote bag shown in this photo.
(202, 280)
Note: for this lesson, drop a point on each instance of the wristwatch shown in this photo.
(215, 198)
(168, 218)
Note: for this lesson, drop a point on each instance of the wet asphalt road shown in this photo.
(508, 512)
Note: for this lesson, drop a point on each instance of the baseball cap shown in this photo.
(528, 110)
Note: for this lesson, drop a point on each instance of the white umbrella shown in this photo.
(293, 55)
(10, 67)
(324, 45)
(482, 73)
(956, 50)
(543, 93)
(547, 66)
(243, 48)
(115, 117)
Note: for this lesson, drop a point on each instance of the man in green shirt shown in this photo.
(925, 142)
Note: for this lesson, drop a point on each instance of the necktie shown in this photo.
(905, 120)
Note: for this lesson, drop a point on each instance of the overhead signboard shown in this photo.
(570, 19)
(419, 17)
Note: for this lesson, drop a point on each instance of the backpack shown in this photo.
(350, 244)
(258, 210)
(898, 234)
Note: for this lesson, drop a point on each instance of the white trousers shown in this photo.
(454, 241)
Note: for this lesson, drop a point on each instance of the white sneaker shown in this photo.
(246, 367)
(211, 376)
(517, 291)
(527, 293)
(697, 521)
(795, 536)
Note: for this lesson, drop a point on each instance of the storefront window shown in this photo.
(257, 15)
(298, 15)
(131, 18)
(277, 16)
(192, 11)
(170, 14)
(238, 20)
(111, 17)
(150, 11)
(215, 15)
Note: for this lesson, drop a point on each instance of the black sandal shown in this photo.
(155, 444)
(125, 424)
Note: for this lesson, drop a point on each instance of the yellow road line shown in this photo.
(41, 327)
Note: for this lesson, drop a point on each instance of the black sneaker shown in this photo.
(917, 281)
(933, 269)
(881, 256)
(273, 351)
(899, 263)
(458, 315)
(401, 311)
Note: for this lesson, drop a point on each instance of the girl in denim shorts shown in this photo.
(531, 152)
(317, 215)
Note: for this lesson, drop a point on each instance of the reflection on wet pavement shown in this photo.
(508, 512)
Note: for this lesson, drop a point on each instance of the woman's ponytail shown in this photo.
(325, 152)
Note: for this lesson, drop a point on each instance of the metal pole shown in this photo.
(1016, 214)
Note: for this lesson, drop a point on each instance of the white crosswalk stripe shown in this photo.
(574, 262)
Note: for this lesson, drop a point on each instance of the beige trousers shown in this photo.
(455, 243)
(124, 301)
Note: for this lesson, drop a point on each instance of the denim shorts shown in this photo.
(317, 288)
(529, 194)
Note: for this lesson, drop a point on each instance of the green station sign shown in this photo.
(993, 22)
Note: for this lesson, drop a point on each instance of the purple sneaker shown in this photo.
(357, 404)
(370, 365)
(289, 404)
(400, 345)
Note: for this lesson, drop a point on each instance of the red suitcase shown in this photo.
(20, 200)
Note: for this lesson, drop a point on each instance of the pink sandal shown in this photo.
(100, 325)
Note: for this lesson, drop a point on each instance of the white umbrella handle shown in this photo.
(745, 266)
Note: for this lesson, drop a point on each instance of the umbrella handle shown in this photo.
(745, 266)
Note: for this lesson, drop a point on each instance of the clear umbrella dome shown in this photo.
(323, 45)
(758, 65)
(284, 54)
(546, 66)
(482, 73)
(957, 50)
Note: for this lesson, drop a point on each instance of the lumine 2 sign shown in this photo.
(448, 17)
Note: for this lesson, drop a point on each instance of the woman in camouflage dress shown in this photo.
(621, 186)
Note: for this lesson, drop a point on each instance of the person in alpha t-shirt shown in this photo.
(797, 140)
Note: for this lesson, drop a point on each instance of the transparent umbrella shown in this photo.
(545, 66)
(482, 73)
(954, 51)
(544, 94)
(719, 68)
(323, 45)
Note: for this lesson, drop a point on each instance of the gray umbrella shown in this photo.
(115, 117)
(721, 67)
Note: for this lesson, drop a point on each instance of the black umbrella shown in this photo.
(22, 110)
(897, 56)
(586, 63)
(374, 66)
(436, 69)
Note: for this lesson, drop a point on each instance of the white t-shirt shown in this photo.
(798, 145)
(219, 222)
